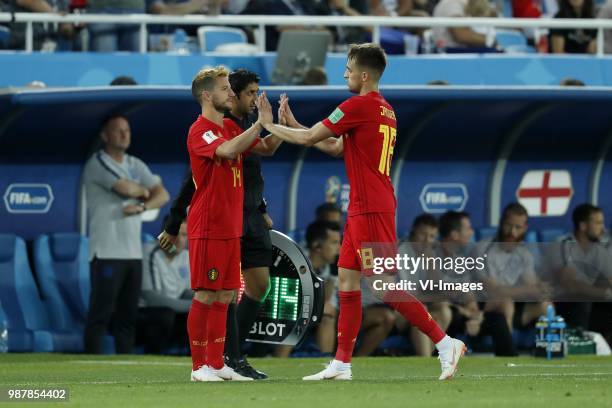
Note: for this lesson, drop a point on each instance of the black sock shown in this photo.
(232, 338)
(247, 313)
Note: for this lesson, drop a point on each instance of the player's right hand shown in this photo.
(264, 109)
(167, 242)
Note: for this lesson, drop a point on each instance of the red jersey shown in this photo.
(215, 211)
(368, 127)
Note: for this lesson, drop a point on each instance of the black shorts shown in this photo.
(255, 244)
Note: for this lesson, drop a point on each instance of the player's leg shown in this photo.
(223, 280)
(203, 283)
(349, 316)
(380, 228)
(442, 314)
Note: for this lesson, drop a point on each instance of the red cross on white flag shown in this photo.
(545, 193)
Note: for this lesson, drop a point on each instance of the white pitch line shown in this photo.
(465, 376)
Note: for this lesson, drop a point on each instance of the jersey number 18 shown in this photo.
(389, 133)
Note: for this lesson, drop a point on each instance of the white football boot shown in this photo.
(449, 359)
(335, 370)
(227, 373)
(205, 374)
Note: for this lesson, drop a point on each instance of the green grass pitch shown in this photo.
(147, 381)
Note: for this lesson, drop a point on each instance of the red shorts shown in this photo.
(214, 263)
(370, 235)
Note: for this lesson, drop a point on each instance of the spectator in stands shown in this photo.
(421, 241)
(581, 264)
(119, 188)
(574, 40)
(456, 235)
(109, 37)
(509, 275)
(323, 244)
(123, 80)
(605, 12)
(526, 9)
(181, 8)
(285, 8)
(393, 8)
(166, 295)
(41, 33)
(315, 76)
(462, 37)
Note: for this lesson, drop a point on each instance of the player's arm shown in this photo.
(332, 146)
(232, 148)
(267, 146)
(305, 137)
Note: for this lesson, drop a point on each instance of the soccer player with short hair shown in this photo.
(363, 129)
(214, 222)
(255, 244)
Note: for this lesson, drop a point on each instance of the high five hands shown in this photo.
(264, 110)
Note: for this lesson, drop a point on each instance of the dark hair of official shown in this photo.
(241, 78)
(451, 221)
(370, 56)
(316, 232)
(326, 208)
(582, 213)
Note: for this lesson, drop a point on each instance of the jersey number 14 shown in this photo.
(389, 133)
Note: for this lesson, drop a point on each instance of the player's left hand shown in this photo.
(268, 220)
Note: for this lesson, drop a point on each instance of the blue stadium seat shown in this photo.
(507, 38)
(62, 268)
(26, 313)
(146, 238)
(211, 37)
(550, 235)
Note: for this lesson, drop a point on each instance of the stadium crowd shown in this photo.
(515, 269)
(108, 37)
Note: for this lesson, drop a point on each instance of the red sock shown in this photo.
(349, 322)
(215, 335)
(414, 311)
(196, 328)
